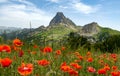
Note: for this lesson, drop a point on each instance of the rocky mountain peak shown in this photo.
(92, 28)
(61, 19)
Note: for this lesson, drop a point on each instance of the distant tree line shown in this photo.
(105, 42)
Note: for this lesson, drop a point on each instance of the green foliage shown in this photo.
(110, 31)
(75, 40)
(113, 43)
(109, 45)
(102, 36)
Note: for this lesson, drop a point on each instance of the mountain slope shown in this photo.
(60, 27)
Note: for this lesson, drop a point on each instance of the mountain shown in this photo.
(60, 27)
(61, 19)
(90, 29)
(4, 29)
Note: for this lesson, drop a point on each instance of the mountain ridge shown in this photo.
(60, 26)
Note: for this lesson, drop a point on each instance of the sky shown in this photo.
(19, 13)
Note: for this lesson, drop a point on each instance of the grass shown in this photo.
(33, 54)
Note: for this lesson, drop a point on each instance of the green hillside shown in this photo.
(110, 31)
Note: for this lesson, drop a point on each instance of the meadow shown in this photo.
(20, 59)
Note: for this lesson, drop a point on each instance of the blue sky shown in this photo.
(18, 13)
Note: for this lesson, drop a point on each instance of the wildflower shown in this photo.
(64, 67)
(88, 53)
(47, 49)
(21, 53)
(90, 59)
(72, 72)
(43, 62)
(76, 66)
(63, 48)
(101, 62)
(114, 56)
(5, 48)
(91, 69)
(35, 46)
(25, 69)
(17, 42)
(6, 62)
(115, 73)
(114, 67)
(80, 57)
(106, 67)
(58, 52)
(102, 71)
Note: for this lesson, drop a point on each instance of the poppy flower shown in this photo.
(106, 67)
(21, 53)
(35, 46)
(73, 72)
(114, 67)
(90, 59)
(43, 62)
(115, 73)
(76, 65)
(25, 69)
(80, 57)
(17, 42)
(1, 48)
(47, 49)
(58, 52)
(113, 56)
(63, 48)
(6, 62)
(64, 67)
(88, 53)
(102, 71)
(91, 69)
(5, 48)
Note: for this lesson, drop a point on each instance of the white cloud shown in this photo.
(20, 15)
(2, 1)
(54, 1)
(84, 8)
(63, 7)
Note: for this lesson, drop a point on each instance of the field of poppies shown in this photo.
(17, 59)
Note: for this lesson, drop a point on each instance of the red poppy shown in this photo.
(63, 48)
(114, 67)
(47, 49)
(113, 56)
(58, 52)
(25, 69)
(76, 65)
(102, 71)
(17, 42)
(88, 53)
(106, 67)
(80, 57)
(1, 48)
(43, 62)
(5, 48)
(21, 53)
(64, 67)
(91, 69)
(6, 62)
(115, 73)
(35, 46)
(90, 59)
(72, 72)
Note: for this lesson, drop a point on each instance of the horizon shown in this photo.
(19, 13)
